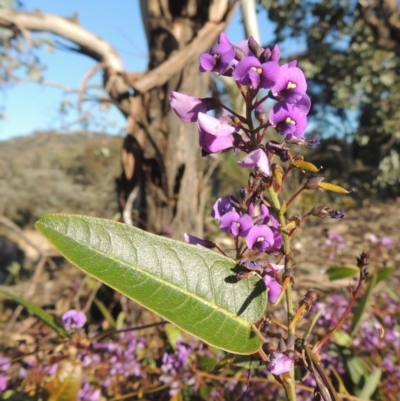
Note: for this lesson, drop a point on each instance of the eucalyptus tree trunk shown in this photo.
(172, 176)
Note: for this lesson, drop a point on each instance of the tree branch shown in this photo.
(200, 44)
(383, 17)
(87, 43)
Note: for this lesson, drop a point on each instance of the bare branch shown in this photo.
(87, 42)
(201, 43)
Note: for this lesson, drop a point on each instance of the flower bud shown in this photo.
(259, 113)
(255, 48)
(266, 55)
(277, 172)
(239, 53)
(313, 183)
(268, 348)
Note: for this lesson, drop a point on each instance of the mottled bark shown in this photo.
(173, 179)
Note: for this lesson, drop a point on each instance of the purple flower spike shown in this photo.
(260, 238)
(219, 57)
(291, 85)
(256, 158)
(279, 363)
(233, 223)
(188, 107)
(288, 120)
(215, 135)
(221, 206)
(250, 71)
(73, 319)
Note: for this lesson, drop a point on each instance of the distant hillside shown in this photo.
(52, 172)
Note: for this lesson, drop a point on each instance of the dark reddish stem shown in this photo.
(295, 196)
(317, 347)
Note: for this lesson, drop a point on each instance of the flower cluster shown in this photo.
(256, 69)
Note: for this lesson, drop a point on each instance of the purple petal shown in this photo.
(223, 38)
(275, 54)
(73, 319)
(304, 104)
(188, 107)
(290, 78)
(288, 120)
(207, 62)
(270, 74)
(387, 242)
(260, 238)
(279, 364)
(242, 69)
(218, 59)
(221, 206)
(214, 135)
(256, 158)
(228, 223)
(245, 223)
(274, 289)
(264, 214)
(191, 239)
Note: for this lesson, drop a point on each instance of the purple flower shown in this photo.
(336, 214)
(233, 223)
(274, 288)
(5, 363)
(387, 242)
(264, 215)
(86, 393)
(3, 382)
(250, 71)
(279, 363)
(260, 238)
(188, 107)
(191, 239)
(221, 206)
(335, 240)
(214, 135)
(291, 84)
(256, 158)
(73, 319)
(288, 120)
(219, 57)
(278, 149)
(304, 104)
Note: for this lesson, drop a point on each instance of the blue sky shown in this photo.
(29, 106)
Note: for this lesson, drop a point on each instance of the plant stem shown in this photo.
(288, 383)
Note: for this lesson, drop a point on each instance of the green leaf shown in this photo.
(371, 384)
(206, 363)
(38, 312)
(192, 287)
(337, 273)
(383, 274)
(376, 277)
(356, 369)
(362, 305)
